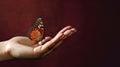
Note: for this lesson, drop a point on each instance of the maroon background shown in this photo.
(96, 43)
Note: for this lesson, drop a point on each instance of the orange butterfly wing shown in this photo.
(37, 31)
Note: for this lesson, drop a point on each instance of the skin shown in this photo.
(21, 47)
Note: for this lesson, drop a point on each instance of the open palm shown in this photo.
(23, 47)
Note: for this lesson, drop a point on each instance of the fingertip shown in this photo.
(40, 43)
(73, 30)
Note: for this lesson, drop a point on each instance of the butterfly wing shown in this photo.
(36, 33)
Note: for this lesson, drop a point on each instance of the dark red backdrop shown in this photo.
(96, 43)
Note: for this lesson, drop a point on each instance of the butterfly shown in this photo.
(36, 33)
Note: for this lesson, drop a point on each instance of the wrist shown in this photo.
(4, 54)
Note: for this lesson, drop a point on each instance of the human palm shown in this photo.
(23, 47)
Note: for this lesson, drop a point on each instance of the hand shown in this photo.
(23, 47)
